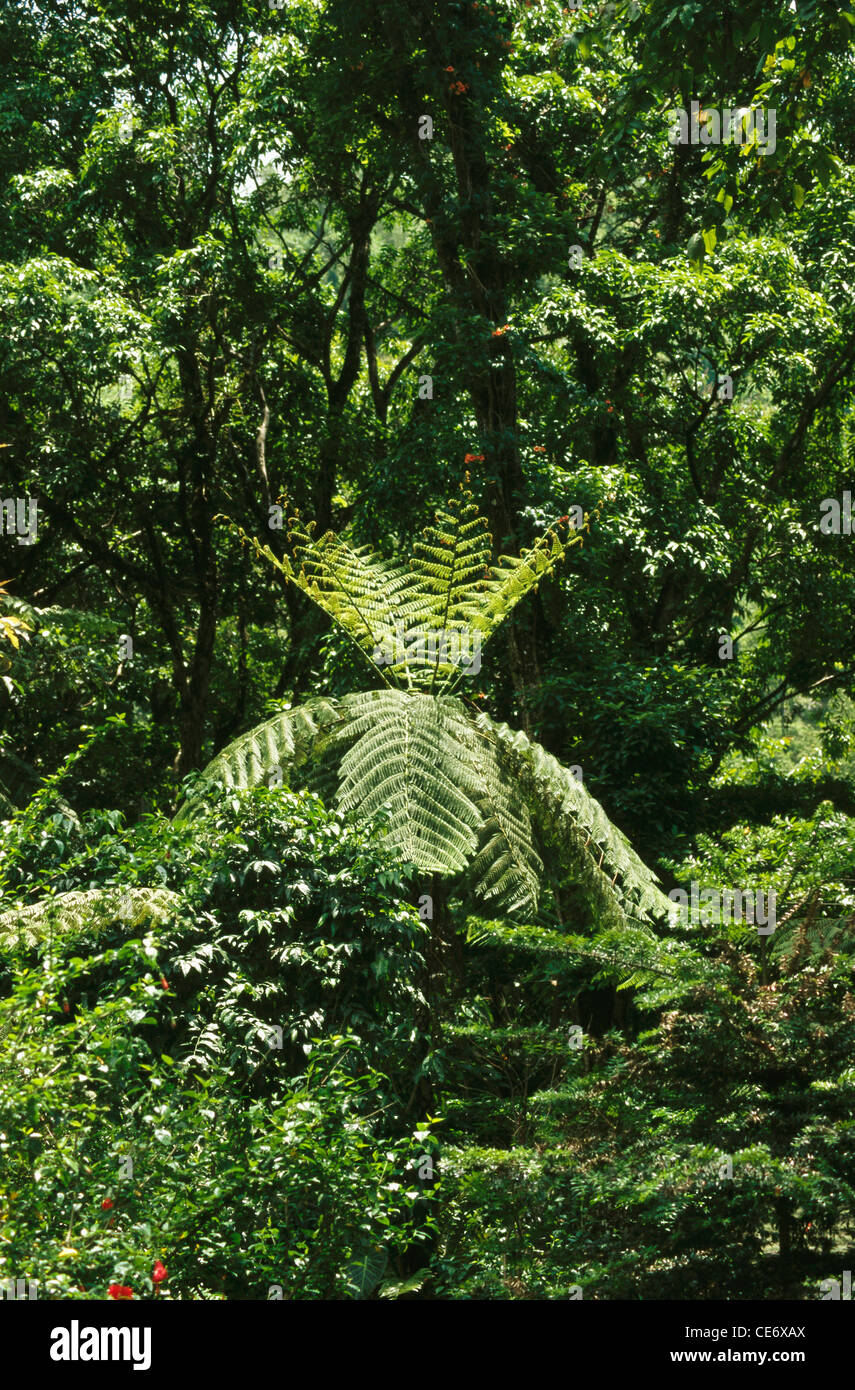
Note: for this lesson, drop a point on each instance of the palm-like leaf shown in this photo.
(463, 796)
(78, 911)
(402, 751)
(286, 740)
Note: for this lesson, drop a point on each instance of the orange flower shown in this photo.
(539, 449)
(473, 458)
(449, 69)
(458, 88)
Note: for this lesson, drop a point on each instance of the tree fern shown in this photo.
(463, 796)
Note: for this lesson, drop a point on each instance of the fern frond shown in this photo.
(80, 911)
(403, 754)
(364, 595)
(461, 795)
(407, 619)
(450, 560)
(575, 829)
(288, 739)
(507, 582)
(507, 869)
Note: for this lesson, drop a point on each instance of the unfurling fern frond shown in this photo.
(81, 911)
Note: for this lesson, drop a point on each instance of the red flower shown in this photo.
(458, 88)
(158, 1274)
(473, 458)
(119, 1291)
(107, 1204)
(539, 449)
(163, 982)
(449, 69)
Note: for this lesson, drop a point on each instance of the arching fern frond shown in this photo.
(463, 796)
(403, 753)
(81, 911)
(263, 754)
(576, 830)
(507, 869)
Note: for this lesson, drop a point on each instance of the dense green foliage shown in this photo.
(331, 336)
